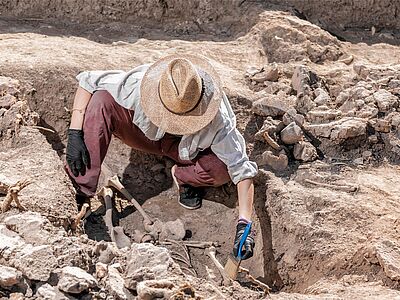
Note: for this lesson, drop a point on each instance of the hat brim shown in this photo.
(196, 119)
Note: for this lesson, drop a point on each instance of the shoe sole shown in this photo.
(188, 207)
(177, 190)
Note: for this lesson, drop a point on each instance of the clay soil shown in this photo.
(313, 241)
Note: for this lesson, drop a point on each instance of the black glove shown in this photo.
(77, 154)
(247, 250)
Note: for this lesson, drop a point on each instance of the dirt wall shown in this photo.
(227, 17)
(180, 16)
(342, 14)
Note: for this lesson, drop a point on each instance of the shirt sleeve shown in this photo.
(93, 81)
(123, 86)
(230, 147)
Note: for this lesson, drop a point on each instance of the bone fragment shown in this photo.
(211, 252)
(270, 141)
(345, 188)
(79, 216)
(116, 183)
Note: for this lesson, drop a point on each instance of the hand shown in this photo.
(247, 249)
(77, 154)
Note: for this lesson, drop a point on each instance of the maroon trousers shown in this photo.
(104, 117)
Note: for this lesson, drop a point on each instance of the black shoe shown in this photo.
(81, 199)
(191, 197)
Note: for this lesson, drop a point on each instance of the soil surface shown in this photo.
(326, 207)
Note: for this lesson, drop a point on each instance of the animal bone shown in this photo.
(116, 183)
(194, 244)
(116, 233)
(211, 252)
(270, 141)
(79, 216)
(12, 194)
(345, 188)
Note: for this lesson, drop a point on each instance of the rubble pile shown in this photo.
(306, 114)
(41, 261)
(14, 109)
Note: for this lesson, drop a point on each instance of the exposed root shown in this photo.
(79, 216)
(12, 194)
(258, 283)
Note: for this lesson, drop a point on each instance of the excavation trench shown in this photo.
(147, 178)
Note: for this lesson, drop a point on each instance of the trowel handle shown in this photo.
(243, 239)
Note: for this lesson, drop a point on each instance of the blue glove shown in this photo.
(248, 244)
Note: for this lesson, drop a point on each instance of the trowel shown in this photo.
(233, 263)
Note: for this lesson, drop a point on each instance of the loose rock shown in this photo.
(273, 105)
(29, 225)
(74, 280)
(388, 254)
(35, 262)
(292, 116)
(48, 292)
(277, 163)
(115, 284)
(385, 100)
(9, 277)
(305, 151)
(147, 255)
(291, 134)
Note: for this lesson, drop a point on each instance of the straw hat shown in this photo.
(181, 94)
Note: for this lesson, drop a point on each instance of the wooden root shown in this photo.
(79, 216)
(12, 194)
(258, 283)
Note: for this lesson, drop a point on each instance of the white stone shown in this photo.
(322, 98)
(48, 292)
(115, 284)
(9, 277)
(101, 270)
(385, 100)
(157, 259)
(273, 105)
(74, 280)
(10, 242)
(388, 254)
(340, 130)
(174, 230)
(35, 262)
(30, 225)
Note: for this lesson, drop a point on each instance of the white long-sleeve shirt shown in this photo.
(221, 134)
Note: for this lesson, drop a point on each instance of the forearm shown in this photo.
(82, 98)
(246, 195)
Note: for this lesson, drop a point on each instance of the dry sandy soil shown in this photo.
(327, 205)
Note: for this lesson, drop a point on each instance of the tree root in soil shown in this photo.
(11, 192)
